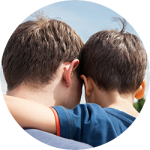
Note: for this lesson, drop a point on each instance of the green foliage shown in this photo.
(139, 104)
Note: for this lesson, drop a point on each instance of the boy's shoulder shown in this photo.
(96, 111)
(90, 122)
(119, 115)
(107, 113)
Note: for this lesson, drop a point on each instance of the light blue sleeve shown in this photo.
(56, 141)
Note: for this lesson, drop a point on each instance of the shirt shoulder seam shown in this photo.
(124, 119)
(69, 119)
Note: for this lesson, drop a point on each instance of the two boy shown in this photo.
(112, 66)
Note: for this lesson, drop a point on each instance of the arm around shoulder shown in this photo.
(30, 114)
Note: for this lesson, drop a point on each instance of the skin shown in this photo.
(25, 101)
(37, 116)
(64, 90)
(141, 90)
(112, 99)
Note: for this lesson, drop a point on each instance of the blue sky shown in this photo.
(86, 18)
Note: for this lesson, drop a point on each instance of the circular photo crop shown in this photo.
(74, 75)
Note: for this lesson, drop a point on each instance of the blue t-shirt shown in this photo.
(92, 124)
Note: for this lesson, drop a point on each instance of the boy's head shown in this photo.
(36, 49)
(115, 60)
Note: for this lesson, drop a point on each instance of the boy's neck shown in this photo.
(113, 99)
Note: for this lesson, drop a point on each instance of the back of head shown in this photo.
(36, 49)
(114, 60)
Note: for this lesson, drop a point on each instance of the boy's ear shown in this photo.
(68, 71)
(141, 90)
(88, 84)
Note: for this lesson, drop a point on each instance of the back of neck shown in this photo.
(43, 96)
(113, 99)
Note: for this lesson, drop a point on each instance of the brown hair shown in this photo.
(36, 49)
(114, 60)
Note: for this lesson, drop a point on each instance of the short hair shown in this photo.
(114, 60)
(36, 49)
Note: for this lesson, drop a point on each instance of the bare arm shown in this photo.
(30, 114)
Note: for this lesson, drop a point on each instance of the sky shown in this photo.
(86, 18)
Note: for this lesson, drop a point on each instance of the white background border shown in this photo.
(13, 12)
